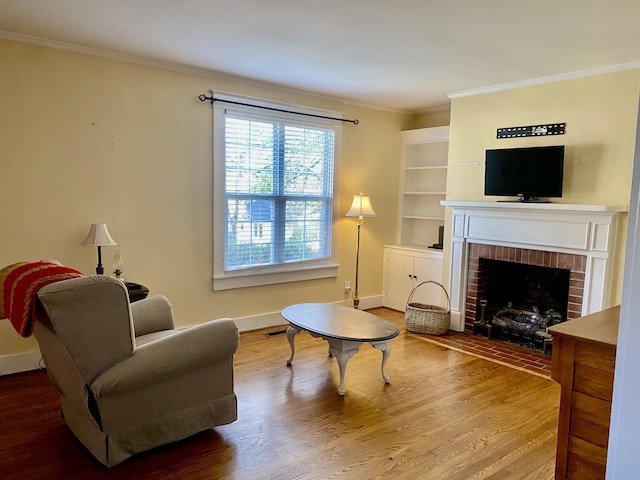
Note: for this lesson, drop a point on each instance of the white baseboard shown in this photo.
(256, 322)
(21, 362)
(274, 319)
(24, 362)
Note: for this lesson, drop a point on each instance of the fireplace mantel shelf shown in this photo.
(564, 207)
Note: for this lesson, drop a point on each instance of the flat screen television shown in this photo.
(529, 173)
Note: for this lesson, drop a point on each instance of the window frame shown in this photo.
(270, 274)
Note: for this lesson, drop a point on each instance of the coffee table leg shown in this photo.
(385, 348)
(342, 356)
(291, 332)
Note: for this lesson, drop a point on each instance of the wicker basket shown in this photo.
(431, 319)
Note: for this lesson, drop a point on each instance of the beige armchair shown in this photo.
(128, 380)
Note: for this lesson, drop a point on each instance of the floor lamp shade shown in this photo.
(97, 237)
(361, 207)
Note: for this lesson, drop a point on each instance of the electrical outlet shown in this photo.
(347, 286)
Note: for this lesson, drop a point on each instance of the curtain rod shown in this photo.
(202, 97)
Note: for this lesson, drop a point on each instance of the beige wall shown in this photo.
(600, 113)
(85, 139)
(435, 118)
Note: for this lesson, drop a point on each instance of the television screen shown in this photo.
(528, 173)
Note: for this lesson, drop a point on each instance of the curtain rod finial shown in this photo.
(202, 97)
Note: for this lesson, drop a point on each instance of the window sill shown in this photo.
(241, 280)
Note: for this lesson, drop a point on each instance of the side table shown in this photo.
(136, 291)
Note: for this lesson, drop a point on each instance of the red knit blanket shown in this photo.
(20, 288)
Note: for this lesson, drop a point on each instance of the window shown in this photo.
(273, 195)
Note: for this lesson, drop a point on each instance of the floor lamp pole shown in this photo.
(356, 299)
(360, 208)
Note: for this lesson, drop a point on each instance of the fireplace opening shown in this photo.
(520, 301)
(523, 286)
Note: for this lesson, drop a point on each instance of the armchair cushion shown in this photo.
(175, 354)
(152, 314)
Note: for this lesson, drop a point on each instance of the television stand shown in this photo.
(526, 200)
(529, 199)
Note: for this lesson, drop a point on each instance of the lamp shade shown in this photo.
(98, 235)
(361, 207)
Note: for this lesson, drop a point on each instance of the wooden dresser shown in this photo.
(584, 354)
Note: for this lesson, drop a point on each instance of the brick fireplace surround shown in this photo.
(567, 261)
(580, 238)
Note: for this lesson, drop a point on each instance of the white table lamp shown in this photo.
(97, 237)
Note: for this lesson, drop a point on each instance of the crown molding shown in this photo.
(71, 47)
(444, 108)
(380, 108)
(221, 76)
(549, 79)
(181, 68)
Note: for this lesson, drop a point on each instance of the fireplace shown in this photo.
(578, 240)
(523, 279)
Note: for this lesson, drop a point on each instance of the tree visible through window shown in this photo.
(278, 185)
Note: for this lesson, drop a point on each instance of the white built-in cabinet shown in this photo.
(423, 183)
(405, 268)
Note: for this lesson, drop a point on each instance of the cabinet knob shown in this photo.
(410, 276)
(415, 277)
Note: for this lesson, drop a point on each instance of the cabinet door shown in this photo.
(399, 281)
(425, 269)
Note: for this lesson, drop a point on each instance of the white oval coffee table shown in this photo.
(345, 329)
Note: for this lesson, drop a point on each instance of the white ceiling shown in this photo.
(397, 54)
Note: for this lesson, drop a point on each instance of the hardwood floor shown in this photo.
(445, 415)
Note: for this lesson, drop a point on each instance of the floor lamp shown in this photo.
(361, 207)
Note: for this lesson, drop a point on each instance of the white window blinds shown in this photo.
(276, 173)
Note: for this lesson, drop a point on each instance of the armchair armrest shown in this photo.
(169, 356)
(152, 315)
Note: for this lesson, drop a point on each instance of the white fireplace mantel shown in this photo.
(588, 230)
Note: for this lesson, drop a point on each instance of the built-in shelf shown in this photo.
(417, 217)
(425, 193)
(437, 167)
(423, 183)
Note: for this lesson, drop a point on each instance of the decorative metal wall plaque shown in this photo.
(532, 130)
